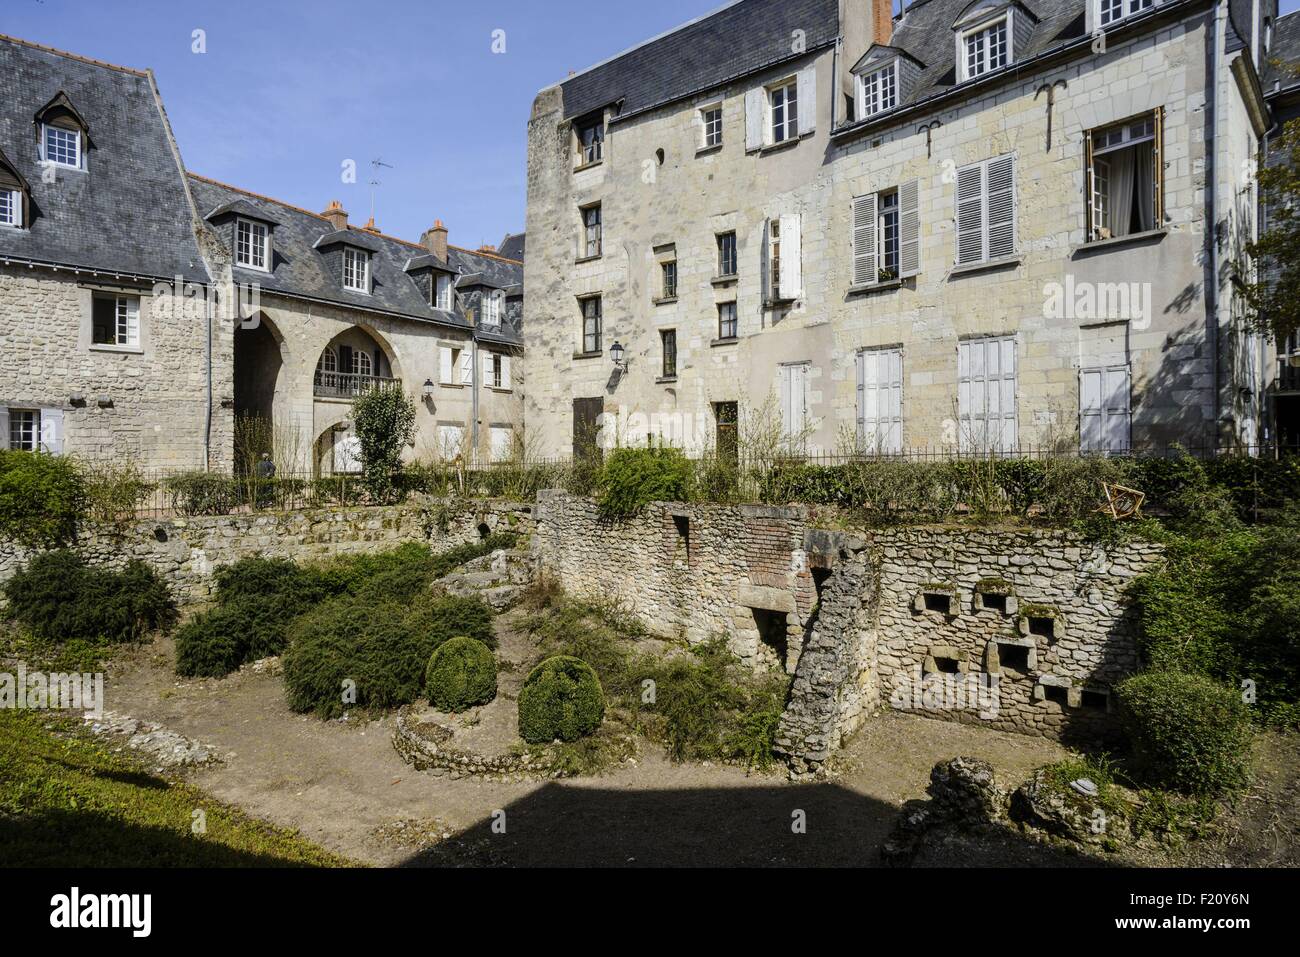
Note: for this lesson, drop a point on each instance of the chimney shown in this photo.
(882, 15)
(487, 248)
(337, 215)
(370, 226)
(435, 240)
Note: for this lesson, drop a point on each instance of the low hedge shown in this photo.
(1188, 733)
(561, 699)
(381, 647)
(59, 598)
(462, 673)
(630, 479)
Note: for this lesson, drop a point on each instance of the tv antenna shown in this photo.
(376, 164)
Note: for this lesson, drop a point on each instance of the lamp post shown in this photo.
(616, 353)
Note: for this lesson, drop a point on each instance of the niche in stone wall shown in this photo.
(995, 594)
(1016, 657)
(1041, 621)
(1054, 689)
(1094, 699)
(937, 597)
(773, 636)
(944, 660)
(682, 524)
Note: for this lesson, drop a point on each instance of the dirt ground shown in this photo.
(342, 785)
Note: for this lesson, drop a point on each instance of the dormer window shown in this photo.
(1110, 11)
(11, 207)
(252, 245)
(492, 307)
(986, 48)
(356, 270)
(62, 147)
(591, 140)
(442, 291)
(63, 136)
(878, 90)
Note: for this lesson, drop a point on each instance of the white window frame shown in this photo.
(789, 126)
(880, 400)
(363, 364)
(874, 94)
(356, 267)
(442, 291)
(13, 416)
(976, 384)
(710, 135)
(1098, 171)
(593, 233)
(1127, 9)
(46, 130)
(965, 36)
(259, 245)
(1113, 409)
(126, 322)
(987, 203)
(14, 218)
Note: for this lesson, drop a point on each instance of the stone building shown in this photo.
(145, 309)
(976, 225)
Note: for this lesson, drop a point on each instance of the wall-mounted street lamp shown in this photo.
(616, 353)
(428, 390)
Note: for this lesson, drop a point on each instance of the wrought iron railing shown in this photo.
(345, 385)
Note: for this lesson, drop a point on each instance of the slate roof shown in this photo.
(512, 247)
(1286, 48)
(925, 33)
(128, 212)
(741, 38)
(300, 267)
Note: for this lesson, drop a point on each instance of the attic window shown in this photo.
(252, 244)
(492, 307)
(591, 140)
(60, 146)
(878, 90)
(356, 270)
(442, 292)
(1113, 10)
(986, 48)
(11, 207)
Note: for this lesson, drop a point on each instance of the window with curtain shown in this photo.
(1124, 178)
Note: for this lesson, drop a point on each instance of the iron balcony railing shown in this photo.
(345, 385)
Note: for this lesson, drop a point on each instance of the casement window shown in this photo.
(502, 442)
(1111, 11)
(878, 90)
(782, 112)
(986, 211)
(591, 141)
(60, 146)
(356, 270)
(880, 401)
(362, 364)
(592, 232)
(726, 255)
(793, 380)
(711, 126)
(727, 325)
(491, 306)
(986, 394)
(496, 371)
(11, 207)
(25, 430)
(785, 258)
(668, 346)
(442, 285)
(668, 271)
(591, 324)
(252, 244)
(115, 321)
(32, 430)
(1125, 177)
(985, 48)
(1105, 418)
(887, 235)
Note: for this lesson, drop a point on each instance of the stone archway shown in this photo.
(260, 361)
(353, 361)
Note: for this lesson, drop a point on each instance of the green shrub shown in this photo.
(203, 493)
(633, 478)
(1188, 732)
(216, 642)
(42, 497)
(114, 491)
(60, 599)
(462, 673)
(381, 647)
(561, 699)
(385, 424)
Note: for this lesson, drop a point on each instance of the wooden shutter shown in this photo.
(791, 257)
(880, 401)
(52, 431)
(1158, 177)
(4, 427)
(466, 366)
(807, 99)
(1104, 415)
(970, 214)
(864, 240)
(445, 365)
(1001, 190)
(489, 380)
(909, 228)
(986, 394)
(505, 372)
(755, 116)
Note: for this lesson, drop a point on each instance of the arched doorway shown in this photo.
(258, 361)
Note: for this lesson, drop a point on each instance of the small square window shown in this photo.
(63, 147)
(11, 208)
(115, 321)
(1014, 658)
(1042, 627)
(356, 270)
(936, 601)
(1094, 699)
(1054, 693)
(25, 430)
(946, 666)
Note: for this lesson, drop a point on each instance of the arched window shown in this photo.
(329, 361)
(362, 363)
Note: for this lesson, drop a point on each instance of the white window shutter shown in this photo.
(909, 228)
(444, 365)
(133, 322)
(52, 431)
(466, 367)
(807, 100)
(970, 214)
(791, 257)
(4, 428)
(505, 372)
(864, 240)
(1001, 207)
(1091, 428)
(755, 113)
(488, 379)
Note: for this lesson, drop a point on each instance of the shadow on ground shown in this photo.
(562, 825)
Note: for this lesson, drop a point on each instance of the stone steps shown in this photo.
(498, 579)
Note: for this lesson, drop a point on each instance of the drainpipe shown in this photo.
(207, 424)
(478, 374)
(1212, 212)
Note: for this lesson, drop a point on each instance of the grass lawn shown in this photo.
(68, 801)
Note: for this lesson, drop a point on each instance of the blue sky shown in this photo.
(290, 89)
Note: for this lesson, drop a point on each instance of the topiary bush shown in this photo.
(59, 598)
(1188, 732)
(42, 497)
(462, 673)
(381, 647)
(561, 700)
(633, 478)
